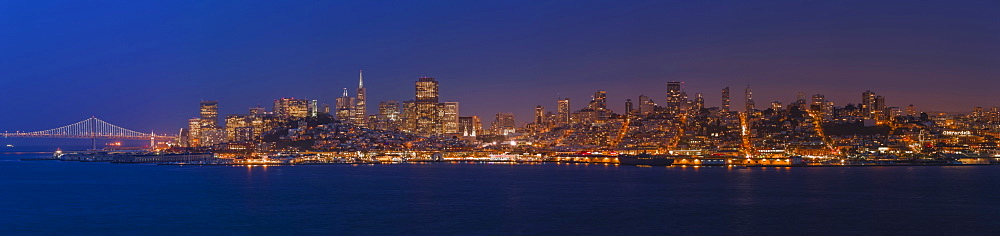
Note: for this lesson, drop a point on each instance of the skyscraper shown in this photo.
(449, 117)
(504, 124)
(699, 102)
(749, 101)
(345, 108)
(880, 108)
(360, 107)
(628, 107)
(674, 98)
(388, 110)
(599, 101)
(539, 115)
(725, 99)
(564, 111)
(313, 108)
(818, 101)
(209, 114)
(291, 108)
(868, 104)
(428, 119)
(194, 132)
(409, 117)
(646, 105)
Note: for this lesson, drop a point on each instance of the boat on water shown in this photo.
(645, 160)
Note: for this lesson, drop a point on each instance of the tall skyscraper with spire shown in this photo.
(360, 108)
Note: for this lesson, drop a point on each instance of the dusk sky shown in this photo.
(145, 65)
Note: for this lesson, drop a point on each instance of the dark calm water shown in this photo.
(57, 198)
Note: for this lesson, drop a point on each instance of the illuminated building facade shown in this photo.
(470, 126)
(725, 99)
(563, 115)
(360, 107)
(345, 108)
(428, 117)
(209, 114)
(599, 101)
(504, 124)
(646, 105)
(674, 98)
(287, 108)
(449, 117)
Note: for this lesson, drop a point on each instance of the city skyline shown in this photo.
(914, 53)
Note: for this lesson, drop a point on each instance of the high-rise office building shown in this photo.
(674, 98)
(563, 115)
(409, 117)
(239, 128)
(600, 101)
(818, 101)
(725, 99)
(504, 124)
(291, 108)
(194, 132)
(868, 104)
(646, 105)
(360, 107)
(209, 114)
(912, 110)
(749, 101)
(345, 108)
(428, 118)
(539, 115)
(449, 117)
(699, 102)
(629, 110)
(388, 110)
(313, 108)
(881, 113)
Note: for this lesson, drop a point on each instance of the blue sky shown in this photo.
(146, 64)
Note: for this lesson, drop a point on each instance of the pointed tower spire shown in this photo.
(361, 79)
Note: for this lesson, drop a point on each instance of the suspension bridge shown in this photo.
(92, 128)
